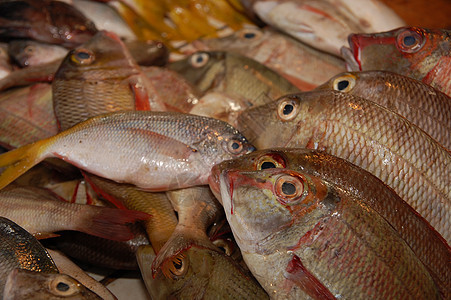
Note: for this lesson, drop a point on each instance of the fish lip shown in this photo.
(226, 190)
(214, 182)
(352, 54)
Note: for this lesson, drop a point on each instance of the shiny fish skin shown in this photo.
(318, 240)
(418, 102)
(152, 150)
(425, 242)
(19, 249)
(366, 134)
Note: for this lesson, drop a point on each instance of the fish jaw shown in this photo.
(352, 54)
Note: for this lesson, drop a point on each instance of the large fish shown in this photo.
(425, 242)
(42, 213)
(366, 134)
(418, 102)
(303, 237)
(98, 77)
(19, 249)
(152, 150)
(48, 21)
(302, 65)
(420, 53)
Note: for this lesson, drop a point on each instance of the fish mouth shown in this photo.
(214, 182)
(226, 188)
(352, 54)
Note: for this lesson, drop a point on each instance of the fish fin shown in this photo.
(110, 223)
(45, 235)
(302, 277)
(141, 96)
(113, 200)
(20, 160)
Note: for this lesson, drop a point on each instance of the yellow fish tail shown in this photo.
(20, 160)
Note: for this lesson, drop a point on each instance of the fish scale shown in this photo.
(364, 133)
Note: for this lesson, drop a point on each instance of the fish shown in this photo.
(421, 53)
(303, 66)
(303, 237)
(154, 151)
(148, 53)
(430, 248)
(99, 77)
(53, 22)
(28, 76)
(31, 53)
(42, 213)
(19, 249)
(197, 209)
(25, 284)
(26, 115)
(198, 273)
(316, 23)
(421, 104)
(376, 139)
(5, 62)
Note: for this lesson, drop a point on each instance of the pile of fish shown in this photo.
(253, 149)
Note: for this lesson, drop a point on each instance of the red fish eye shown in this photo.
(291, 189)
(410, 41)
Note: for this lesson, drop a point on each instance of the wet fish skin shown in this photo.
(425, 242)
(317, 239)
(366, 134)
(48, 21)
(25, 284)
(302, 65)
(166, 150)
(420, 53)
(98, 77)
(31, 53)
(198, 273)
(19, 249)
(421, 104)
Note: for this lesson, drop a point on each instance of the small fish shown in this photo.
(30, 75)
(42, 213)
(24, 284)
(366, 134)
(303, 237)
(418, 102)
(302, 65)
(99, 77)
(152, 150)
(425, 242)
(48, 21)
(31, 53)
(420, 53)
(198, 273)
(19, 249)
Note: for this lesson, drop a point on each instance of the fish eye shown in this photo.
(344, 83)
(82, 56)
(199, 59)
(287, 110)
(270, 161)
(64, 286)
(29, 49)
(234, 146)
(410, 41)
(291, 189)
(224, 246)
(249, 34)
(175, 267)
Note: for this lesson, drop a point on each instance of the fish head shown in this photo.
(25, 284)
(409, 51)
(103, 56)
(203, 69)
(259, 204)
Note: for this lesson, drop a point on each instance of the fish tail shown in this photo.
(20, 160)
(110, 223)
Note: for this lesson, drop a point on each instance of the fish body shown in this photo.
(31, 53)
(19, 249)
(98, 77)
(24, 284)
(30, 75)
(302, 65)
(48, 21)
(304, 238)
(366, 134)
(41, 213)
(152, 150)
(420, 53)
(425, 242)
(421, 104)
